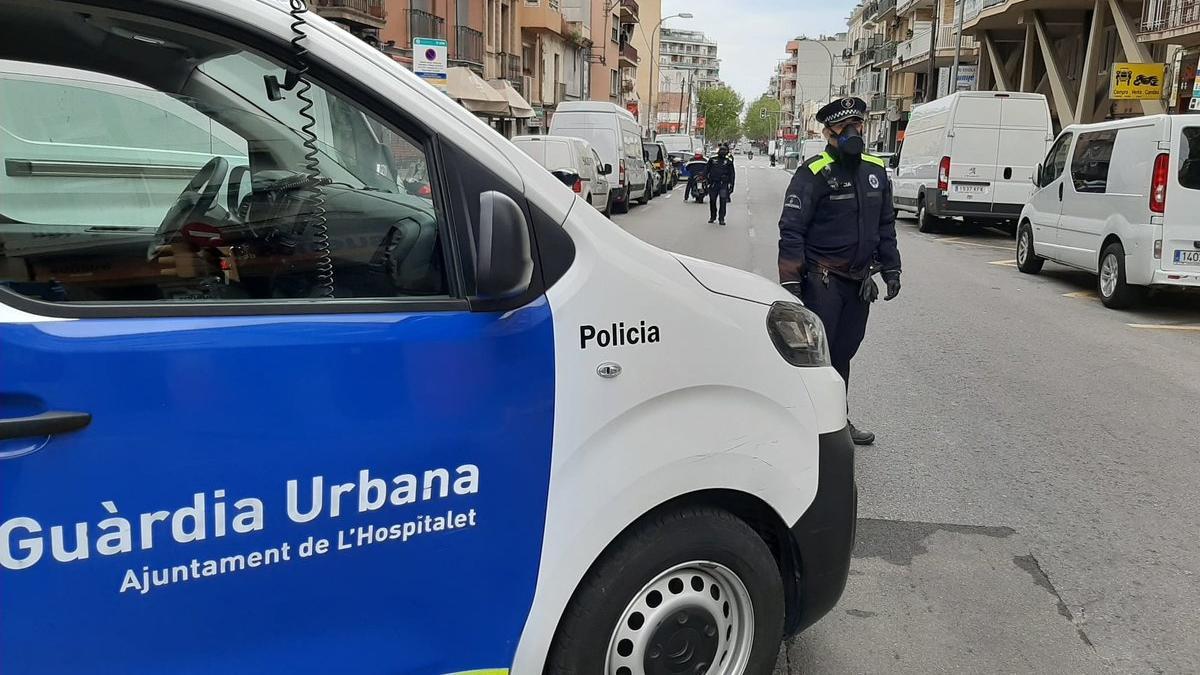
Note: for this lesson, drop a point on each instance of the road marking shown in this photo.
(958, 240)
(1163, 326)
(1081, 294)
(750, 232)
(1005, 263)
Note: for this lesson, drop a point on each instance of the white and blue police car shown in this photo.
(304, 368)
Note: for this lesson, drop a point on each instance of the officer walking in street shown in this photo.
(836, 231)
(720, 176)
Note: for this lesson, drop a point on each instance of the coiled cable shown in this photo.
(318, 221)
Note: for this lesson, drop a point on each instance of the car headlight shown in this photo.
(798, 334)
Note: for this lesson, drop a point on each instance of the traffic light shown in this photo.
(762, 114)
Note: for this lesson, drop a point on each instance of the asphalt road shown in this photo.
(1033, 501)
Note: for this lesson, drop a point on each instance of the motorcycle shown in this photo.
(696, 170)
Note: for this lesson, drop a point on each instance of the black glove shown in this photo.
(892, 279)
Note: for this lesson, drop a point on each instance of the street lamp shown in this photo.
(830, 53)
(654, 68)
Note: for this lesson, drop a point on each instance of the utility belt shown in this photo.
(867, 290)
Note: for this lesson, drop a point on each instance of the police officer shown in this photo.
(720, 176)
(836, 231)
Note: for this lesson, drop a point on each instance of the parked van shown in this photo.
(678, 144)
(811, 147)
(614, 133)
(1119, 199)
(971, 155)
(576, 154)
(311, 421)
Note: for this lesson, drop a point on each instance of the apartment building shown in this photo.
(1175, 22)
(814, 70)
(688, 63)
(363, 18)
(1065, 49)
(459, 23)
(646, 41)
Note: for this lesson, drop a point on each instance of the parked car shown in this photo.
(564, 152)
(971, 155)
(660, 162)
(1119, 199)
(313, 423)
(678, 143)
(614, 133)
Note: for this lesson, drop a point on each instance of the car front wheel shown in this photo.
(689, 591)
(1027, 260)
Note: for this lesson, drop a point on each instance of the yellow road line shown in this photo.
(1005, 263)
(1164, 326)
(1081, 294)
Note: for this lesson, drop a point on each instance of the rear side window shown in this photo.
(1089, 163)
(1056, 160)
(1189, 158)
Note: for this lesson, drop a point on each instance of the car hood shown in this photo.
(733, 282)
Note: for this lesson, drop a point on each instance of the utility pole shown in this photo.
(689, 104)
(959, 8)
(931, 77)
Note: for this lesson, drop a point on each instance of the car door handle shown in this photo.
(1060, 191)
(44, 424)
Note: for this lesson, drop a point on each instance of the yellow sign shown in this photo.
(1138, 81)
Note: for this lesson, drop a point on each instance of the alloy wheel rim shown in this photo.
(1023, 247)
(696, 617)
(1108, 275)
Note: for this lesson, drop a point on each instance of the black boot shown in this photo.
(859, 436)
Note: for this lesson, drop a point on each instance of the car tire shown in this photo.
(1027, 259)
(925, 222)
(1115, 291)
(621, 205)
(698, 575)
(645, 198)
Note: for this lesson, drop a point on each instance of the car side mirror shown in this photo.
(568, 177)
(606, 169)
(504, 262)
(1037, 176)
(894, 161)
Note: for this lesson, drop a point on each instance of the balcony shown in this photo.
(543, 16)
(358, 13)
(425, 25)
(883, 10)
(885, 52)
(512, 68)
(913, 55)
(878, 103)
(907, 6)
(468, 46)
(629, 11)
(1175, 20)
(629, 55)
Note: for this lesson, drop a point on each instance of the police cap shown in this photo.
(842, 109)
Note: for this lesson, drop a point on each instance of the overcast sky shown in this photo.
(751, 34)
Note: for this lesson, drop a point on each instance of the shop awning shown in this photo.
(474, 93)
(518, 106)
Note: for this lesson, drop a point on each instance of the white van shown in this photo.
(971, 155)
(680, 144)
(326, 424)
(811, 147)
(577, 155)
(1119, 199)
(614, 133)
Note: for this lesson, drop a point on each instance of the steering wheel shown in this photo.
(197, 197)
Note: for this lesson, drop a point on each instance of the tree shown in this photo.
(762, 119)
(721, 108)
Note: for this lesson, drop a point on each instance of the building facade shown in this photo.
(688, 63)
(646, 42)
(814, 70)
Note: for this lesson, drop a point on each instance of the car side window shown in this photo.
(1090, 161)
(1056, 160)
(1189, 158)
(151, 195)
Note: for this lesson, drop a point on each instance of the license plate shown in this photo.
(970, 189)
(1187, 257)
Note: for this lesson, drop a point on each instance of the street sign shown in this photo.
(429, 61)
(1137, 81)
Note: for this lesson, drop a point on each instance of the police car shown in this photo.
(303, 368)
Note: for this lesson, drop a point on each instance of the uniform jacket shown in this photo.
(837, 216)
(720, 172)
